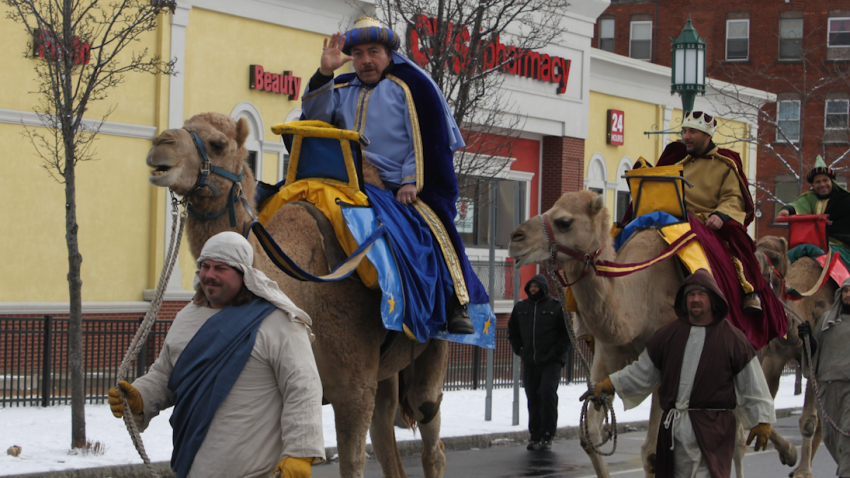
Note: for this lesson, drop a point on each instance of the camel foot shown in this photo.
(798, 473)
(788, 457)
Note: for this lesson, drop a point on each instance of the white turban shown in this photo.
(234, 250)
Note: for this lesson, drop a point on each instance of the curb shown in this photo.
(409, 447)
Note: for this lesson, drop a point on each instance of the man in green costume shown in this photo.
(826, 197)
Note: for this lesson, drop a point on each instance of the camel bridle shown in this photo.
(589, 259)
(235, 195)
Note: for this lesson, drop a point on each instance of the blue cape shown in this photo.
(206, 371)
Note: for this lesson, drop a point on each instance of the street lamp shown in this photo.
(688, 66)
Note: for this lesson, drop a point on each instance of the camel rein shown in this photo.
(603, 401)
(178, 221)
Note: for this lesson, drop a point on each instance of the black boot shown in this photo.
(457, 318)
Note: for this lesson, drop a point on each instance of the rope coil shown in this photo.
(178, 221)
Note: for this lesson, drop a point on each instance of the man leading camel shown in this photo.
(832, 368)
(707, 375)
(721, 207)
(411, 136)
(238, 368)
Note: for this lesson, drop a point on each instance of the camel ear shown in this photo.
(241, 131)
(596, 204)
(784, 244)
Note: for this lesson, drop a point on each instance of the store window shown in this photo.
(624, 196)
(737, 39)
(785, 190)
(839, 32)
(640, 40)
(791, 35)
(836, 120)
(473, 208)
(251, 161)
(606, 34)
(788, 121)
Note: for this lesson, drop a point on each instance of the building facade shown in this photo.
(797, 50)
(124, 221)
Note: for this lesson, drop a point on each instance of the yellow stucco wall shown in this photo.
(113, 223)
(640, 117)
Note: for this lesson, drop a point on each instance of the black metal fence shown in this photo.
(34, 367)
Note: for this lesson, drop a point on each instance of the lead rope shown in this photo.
(146, 325)
(807, 355)
(604, 400)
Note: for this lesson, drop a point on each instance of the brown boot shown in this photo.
(752, 303)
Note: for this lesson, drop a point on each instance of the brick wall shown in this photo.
(781, 76)
(563, 168)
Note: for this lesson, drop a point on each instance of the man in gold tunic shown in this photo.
(720, 208)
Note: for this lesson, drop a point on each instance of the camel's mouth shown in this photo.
(164, 175)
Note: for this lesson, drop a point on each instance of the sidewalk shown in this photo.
(44, 434)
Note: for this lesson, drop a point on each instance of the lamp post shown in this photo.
(688, 72)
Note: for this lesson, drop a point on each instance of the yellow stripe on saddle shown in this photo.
(692, 254)
(324, 196)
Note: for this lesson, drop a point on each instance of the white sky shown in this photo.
(45, 433)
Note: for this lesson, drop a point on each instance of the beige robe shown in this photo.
(716, 188)
(274, 410)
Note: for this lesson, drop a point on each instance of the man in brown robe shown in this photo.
(706, 375)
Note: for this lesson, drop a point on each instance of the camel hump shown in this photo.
(334, 252)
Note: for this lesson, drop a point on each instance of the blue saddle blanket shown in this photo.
(412, 275)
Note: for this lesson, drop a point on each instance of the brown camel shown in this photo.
(621, 313)
(801, 275)
(362, 386)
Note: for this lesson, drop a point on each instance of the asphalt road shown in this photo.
(567, 460)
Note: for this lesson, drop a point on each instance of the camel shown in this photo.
(359, 382)
(801, 275)
(619, 312)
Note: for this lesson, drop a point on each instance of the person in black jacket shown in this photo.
(538, 334)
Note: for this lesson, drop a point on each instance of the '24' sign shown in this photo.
(616, 130)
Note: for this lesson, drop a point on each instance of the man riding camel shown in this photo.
(720, 208)
(826, 197)
(238, 369)
(410, 136)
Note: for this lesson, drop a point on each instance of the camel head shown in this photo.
(174, 159)
(579, 221)
(772, 252)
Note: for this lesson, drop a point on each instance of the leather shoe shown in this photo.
(459, 322)
(752, 302)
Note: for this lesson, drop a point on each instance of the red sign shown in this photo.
(616, 130)
(285, 84)
(46, 45)
(508, 59)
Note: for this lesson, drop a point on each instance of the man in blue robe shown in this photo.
(410, 138)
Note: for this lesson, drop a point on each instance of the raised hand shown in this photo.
(332, 57)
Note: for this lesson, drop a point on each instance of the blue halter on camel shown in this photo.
(207, 167)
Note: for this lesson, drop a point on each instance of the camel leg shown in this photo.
(382, 429)
(595, 420)
(810, 431)
(772, 365)
(426, 393)
(353, 406)
(647, 451)
(740, 450)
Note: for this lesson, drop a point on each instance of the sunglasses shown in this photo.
(697, 114)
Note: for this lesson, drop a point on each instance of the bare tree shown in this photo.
(795, 129)
(467, 46)
(81, 46)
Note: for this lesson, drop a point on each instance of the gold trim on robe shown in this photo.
(414, 125)
(449, 254)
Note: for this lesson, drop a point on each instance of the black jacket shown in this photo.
(537, 330)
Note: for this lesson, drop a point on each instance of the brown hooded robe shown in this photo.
(726, 352)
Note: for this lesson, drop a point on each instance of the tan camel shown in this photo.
(362, 387)
(801, 275)
(620, 313)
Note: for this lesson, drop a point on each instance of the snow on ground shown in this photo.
(45, 433)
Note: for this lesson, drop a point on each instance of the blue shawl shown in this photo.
(206, 371)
